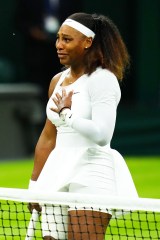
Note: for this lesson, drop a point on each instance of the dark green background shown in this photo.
(138, 121)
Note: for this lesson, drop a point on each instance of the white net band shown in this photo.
(67, 216)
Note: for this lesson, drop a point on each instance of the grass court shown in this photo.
(145, 173)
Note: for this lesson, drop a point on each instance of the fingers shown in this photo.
(38, 208)
(63, 92)
(70, 94)
(32, 206)
(55, 110)
(55, 100)
(59, 97)
(62, 101)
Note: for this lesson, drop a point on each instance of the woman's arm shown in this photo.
(46, 141)
(104, 94)
(45, 145)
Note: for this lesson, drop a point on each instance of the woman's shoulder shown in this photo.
(55, 80)
(103, 76)
(53, 83)
(104, 72)
(104, 82)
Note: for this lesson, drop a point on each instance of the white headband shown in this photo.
(79, 27)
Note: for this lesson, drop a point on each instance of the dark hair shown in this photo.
(108, 49)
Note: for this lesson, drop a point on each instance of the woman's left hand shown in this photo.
(64, 101)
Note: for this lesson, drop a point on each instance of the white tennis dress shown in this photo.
(82, 160)
(82, 154)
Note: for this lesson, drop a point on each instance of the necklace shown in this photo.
(70, 82)
(70, 79)
(67, 82)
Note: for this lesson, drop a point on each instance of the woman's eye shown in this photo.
(67, 40)
(57, 36)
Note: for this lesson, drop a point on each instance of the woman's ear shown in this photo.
(88, 42)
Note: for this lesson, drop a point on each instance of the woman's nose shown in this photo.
(59, 44)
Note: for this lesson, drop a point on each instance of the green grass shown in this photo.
(145, 173)
(144, 170)
(15, 173)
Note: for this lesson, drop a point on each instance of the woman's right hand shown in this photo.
(35, 206)
(61, 102)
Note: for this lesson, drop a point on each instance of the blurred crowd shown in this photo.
(38, 22)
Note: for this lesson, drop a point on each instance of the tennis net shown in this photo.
(131, 218)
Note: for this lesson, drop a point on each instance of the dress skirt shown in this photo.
(76, 159)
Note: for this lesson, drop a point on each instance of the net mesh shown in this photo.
(131, 218)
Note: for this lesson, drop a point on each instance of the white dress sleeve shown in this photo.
(104, 94)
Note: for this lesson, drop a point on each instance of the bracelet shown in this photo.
(63, 109)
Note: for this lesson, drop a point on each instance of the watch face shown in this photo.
(62, 116)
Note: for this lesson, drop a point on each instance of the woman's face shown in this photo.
(70, 46)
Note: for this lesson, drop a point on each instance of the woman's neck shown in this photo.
(76, 71)
(72, 76)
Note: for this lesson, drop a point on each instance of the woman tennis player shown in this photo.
(73, 153)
